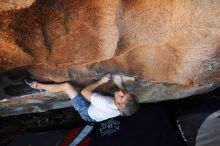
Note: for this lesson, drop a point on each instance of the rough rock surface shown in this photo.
(172, 47)
(7, 5)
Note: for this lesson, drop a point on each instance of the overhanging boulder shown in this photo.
(172, 47)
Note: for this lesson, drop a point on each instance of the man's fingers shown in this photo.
(117, 77)
(108, 75)
(106, 78)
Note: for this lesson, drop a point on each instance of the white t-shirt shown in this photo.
(102, 107)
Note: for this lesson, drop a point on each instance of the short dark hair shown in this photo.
(130, 106)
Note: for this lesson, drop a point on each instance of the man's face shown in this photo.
(120, 97)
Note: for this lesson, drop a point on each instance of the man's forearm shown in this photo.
(93, 86)
(87, 91)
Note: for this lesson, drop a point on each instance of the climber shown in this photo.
(94, 107)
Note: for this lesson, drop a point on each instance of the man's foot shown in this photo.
(31, 83)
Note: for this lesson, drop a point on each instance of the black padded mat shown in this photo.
(148, 127)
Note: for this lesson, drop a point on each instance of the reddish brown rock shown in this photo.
(15, 4)
(173, 41)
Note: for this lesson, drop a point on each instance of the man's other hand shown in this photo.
(105, 79)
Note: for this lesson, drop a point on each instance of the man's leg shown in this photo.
(78, 102)
(63, 87)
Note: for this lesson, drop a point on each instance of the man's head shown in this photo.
(127, 103)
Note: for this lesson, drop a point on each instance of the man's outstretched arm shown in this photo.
(88, 91)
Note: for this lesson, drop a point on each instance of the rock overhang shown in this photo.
(171, 47)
